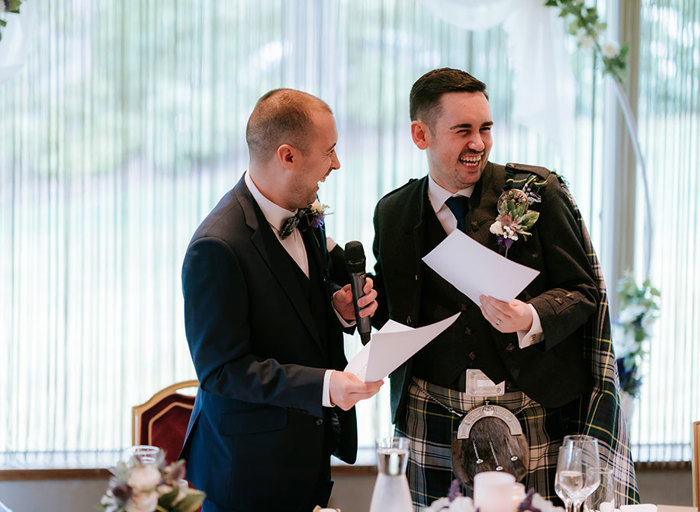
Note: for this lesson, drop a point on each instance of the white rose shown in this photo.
(143, 502)
(496, 228)
(144, 478)
(610, 50)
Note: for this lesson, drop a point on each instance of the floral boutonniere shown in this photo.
(316, 214)
(311, 216)
(513, 218)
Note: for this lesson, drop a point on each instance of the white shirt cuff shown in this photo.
(534, 335)
(326, 397)
(342, 320)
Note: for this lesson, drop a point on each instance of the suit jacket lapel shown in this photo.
(272, 253)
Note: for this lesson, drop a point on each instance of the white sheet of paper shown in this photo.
(477, 270)
(392, 346)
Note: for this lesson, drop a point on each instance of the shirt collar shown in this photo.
(439, 195)
(274, 214)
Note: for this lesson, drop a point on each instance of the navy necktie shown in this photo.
(459, 206)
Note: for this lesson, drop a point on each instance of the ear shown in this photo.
(288, 156)
(420, 134)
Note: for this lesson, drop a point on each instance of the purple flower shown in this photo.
(526, 504)
(317, 221)
(122, 493)
(505, 242)
(455, 491)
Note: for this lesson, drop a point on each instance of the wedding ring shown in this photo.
(498, 322)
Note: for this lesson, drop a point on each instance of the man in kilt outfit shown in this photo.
(550, 346)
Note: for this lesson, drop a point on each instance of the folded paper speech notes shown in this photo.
(392, 346)
(477, 270)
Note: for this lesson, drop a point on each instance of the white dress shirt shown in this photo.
(294, 245)
(438, 196)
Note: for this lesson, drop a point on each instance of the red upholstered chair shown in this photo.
(162, 420)
(696, 464)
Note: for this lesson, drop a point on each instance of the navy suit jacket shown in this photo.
(256, 435)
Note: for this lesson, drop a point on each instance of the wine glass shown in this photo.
(603, 498)
(143, 454)
(578, 472)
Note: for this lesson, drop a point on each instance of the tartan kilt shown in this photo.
(429, 427)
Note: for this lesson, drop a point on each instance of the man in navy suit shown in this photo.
(264, 325)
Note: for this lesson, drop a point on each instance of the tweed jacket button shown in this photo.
(510, 347)
(558, 300)
(472, 355)
(468, 331)
(319, 422)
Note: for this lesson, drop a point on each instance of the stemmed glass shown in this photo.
(578, 470)
(603, 498)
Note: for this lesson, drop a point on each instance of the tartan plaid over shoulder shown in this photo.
(602, 416)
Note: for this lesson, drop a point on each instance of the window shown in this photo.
(127, 126)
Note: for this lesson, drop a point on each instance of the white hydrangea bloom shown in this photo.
(460, 504)
(509, 233)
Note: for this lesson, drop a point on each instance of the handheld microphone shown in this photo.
(355, 263)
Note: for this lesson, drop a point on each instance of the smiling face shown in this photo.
(316, 160)
(457, 140)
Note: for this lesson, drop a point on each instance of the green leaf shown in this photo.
(166, 500)
(191, 502)
(529, 219)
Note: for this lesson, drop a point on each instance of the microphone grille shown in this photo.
(355, 256)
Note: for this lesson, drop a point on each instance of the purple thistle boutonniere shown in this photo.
(513, 219)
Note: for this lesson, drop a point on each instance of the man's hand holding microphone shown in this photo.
(354, 302)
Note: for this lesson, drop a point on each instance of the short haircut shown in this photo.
(424, 100)
(281, 116)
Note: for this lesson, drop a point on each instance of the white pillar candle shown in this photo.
(493, 491)
(519, 495)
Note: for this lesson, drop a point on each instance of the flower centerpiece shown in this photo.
(145, 484)
(639, 307)
(455, 502)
